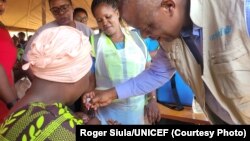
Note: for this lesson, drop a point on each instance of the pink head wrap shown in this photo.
(60, 54)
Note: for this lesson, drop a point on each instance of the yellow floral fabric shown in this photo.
(39, 121)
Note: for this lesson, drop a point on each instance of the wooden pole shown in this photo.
(43, 12)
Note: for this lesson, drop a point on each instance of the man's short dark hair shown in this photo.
(21, 34)
(79, 10)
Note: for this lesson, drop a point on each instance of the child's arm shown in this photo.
(93, 121)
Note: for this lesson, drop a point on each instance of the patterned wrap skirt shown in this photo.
(39, 121)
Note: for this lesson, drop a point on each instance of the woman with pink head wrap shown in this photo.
(60, 60)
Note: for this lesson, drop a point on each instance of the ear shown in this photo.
(168, 6)
(117, 13)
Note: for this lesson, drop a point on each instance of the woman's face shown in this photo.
(62, 10)
(81, 17)
(2, 6)
(107, 19)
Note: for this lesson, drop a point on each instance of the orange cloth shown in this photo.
(60, 54)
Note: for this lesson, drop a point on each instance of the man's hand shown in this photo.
(152, 112)
(103, 98)
(113, 122)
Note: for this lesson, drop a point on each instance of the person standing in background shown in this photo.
(118, 57)
(62, 10)
(22, 42)
(8, 55)
(80, 15)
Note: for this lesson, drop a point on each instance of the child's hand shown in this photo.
(113, 122)
(82, 116)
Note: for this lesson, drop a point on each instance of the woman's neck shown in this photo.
(41, 91)
(118, 37)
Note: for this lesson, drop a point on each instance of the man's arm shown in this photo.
(158, 74)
